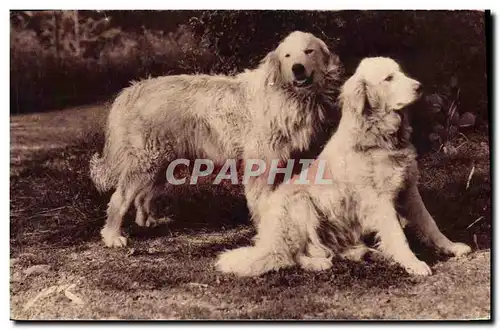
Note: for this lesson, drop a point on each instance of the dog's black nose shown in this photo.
(299, 71)
(419, 88)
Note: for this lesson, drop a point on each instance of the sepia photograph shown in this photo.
(310, 165)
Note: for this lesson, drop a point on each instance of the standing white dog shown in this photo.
(266, 113)
(370, 162)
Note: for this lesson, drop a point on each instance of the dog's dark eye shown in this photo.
(308, 51)
(389, 77)
(287, 55)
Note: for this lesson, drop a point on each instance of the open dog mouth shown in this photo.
(304, 82)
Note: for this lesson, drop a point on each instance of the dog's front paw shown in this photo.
(418, 267)
(112, 238)
(457, 249)
(315, 264)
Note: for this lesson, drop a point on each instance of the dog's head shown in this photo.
(301, 62)
(377, 92)
(379, 86)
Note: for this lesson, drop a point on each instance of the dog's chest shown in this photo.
(297, 126)
(387, 171)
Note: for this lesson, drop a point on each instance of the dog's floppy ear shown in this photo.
(353, 95)
(331, 59)
(272, 68)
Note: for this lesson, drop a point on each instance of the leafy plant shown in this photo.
(448, 121)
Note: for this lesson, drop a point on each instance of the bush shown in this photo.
(50, 70)
(433, 46)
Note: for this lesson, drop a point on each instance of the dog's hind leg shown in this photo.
(144, 216)
(271, 252)
(317, 256)
(424, 226)
(142, 205)
(253, 261)
(277, 242)
(117, 208)
(154, 179)
(129, 187)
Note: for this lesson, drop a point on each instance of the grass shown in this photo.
(167, 272)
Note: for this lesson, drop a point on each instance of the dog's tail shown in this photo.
(101, 174)
(104, 170)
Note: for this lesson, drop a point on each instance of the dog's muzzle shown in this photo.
(306, 81)
(300, 76)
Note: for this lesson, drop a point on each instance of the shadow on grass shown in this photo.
(54, 202)
(205, 208)
(145, 272)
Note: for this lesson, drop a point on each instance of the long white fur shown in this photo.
(370, 162)
(257, 114)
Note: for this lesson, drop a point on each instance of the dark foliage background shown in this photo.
(62, 58)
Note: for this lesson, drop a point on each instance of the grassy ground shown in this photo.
(60, 269)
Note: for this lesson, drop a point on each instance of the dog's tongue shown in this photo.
(304, 82)
(300, 83)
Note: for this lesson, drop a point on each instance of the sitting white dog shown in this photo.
(369, 163)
